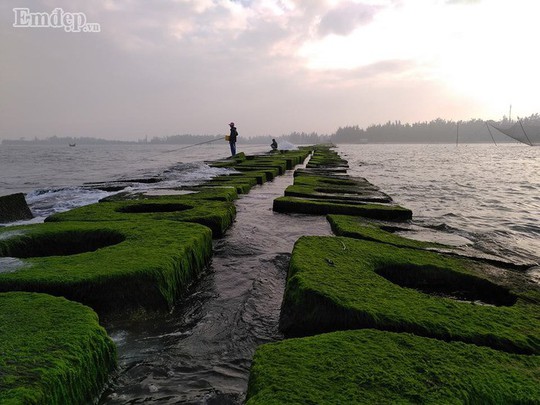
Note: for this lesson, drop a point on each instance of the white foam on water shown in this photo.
(44, 202)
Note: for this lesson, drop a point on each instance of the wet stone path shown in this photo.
(201, 352)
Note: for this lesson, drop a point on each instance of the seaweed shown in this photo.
(148, 265)
(337, 283)
(53, 351)
(374, 367)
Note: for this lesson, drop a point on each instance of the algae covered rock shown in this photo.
(53, 351)
(374, 367)
(110, 266)
(341, 283)
(359, 228)
(215, 214)
(324, 207)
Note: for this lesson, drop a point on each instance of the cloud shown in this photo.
(192, 66)
(463, 1)
(346, 17)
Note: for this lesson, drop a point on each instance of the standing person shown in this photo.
(232, 138)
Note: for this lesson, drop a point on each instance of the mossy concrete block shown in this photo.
(373, 367)
(270, 172)
(217, 215)
(326, 159)
(242, 184)
(53, 351)
(188, 193)
(229, 162)
(337, 283)
(340, 188)
(109, 266)
(324, 207)
(350, 194)
(265, 164)
(13, 207)
(359, 228)
(257, 175)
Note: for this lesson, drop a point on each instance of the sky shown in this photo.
(166, 67)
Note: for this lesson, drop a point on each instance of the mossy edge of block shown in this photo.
(147, 265)
(320, 207)
(336, 283)
(216, 215)
(358, 228)
(369, 366)
(53, 351)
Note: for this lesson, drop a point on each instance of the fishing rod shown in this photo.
(195, 144)
(184, 147)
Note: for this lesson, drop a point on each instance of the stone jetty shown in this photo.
(373, 317)
(126, 256)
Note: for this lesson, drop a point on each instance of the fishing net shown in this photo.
(522, 132)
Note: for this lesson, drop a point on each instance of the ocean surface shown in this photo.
(483, 194)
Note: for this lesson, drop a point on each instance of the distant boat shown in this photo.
(72, 144)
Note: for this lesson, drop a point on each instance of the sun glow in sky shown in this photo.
(479, 50)
(273, 66)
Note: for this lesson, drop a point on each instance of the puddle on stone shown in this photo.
(426, 235)
(534, 274)
(11, 264)
(10, 234)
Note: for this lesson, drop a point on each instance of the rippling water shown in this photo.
(487, 194)
(53, 176)
(201, 352)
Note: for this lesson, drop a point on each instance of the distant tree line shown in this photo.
(434, 131)
(61, 140)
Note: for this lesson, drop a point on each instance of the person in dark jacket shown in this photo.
(274, 144)
(232, 138)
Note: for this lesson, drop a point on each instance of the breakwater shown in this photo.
(205, 323)
(374, 317)
(100, 255)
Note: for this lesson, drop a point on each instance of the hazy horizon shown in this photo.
(271, 66)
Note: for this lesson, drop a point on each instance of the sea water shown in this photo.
(485, 194)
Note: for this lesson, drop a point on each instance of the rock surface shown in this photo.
(13, 207)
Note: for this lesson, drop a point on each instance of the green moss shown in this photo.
(52, 351)
(213, 194)
(345, 194)
(147, 264)
(251, 177)
(270, 172)
(358, 228)
(217, 215)
(323, 207)
(342, 283)
(372, 367)
(280, 165)
(326, 158)
(242, 185)
(230, 161)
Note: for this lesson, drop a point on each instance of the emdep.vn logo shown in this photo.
(58, 18)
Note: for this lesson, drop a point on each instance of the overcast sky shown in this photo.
(169, 67)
